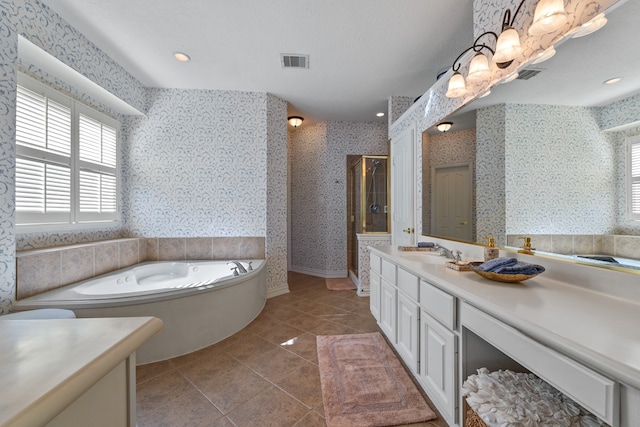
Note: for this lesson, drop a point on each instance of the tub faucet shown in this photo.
(445, 252)
(239, 265)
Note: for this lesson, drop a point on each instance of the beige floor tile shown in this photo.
(312, 419)
(162, 391)
(187, 409)
(151, 370)
(264, 375)
(272, 407)
(304, 346)
(303, 383)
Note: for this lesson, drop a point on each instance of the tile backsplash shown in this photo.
(623, 246)
(41, 270)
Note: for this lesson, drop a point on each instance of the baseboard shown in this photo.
(339, 274)
(278, 290)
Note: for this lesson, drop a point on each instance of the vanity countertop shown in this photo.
(599, 330)
(47, 364)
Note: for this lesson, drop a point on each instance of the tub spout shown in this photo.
(239, 265)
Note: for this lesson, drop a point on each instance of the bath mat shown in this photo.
(342, 284)
(364, 384)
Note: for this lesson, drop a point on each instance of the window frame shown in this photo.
(633, 143)
(77, 220)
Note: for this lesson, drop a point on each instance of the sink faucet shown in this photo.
(444, 251)
(239, 265)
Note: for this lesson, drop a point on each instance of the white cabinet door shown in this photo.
(374, 294)
(403, 188)
(388, 307)
(438, 361)
(408, 324)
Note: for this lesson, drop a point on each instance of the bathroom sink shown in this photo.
(425, 257)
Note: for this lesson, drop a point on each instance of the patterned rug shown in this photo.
(364, 384)
(342, 284)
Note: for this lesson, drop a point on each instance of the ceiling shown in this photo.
(361, 52)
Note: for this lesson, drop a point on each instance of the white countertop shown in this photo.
(598, 330)
(47, 364)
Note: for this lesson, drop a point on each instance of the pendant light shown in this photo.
(508, 48)
(478, 68)
(592, 26)
(548, 17)
(457, 86)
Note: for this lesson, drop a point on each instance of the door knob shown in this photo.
(464, 223)
(408, 230)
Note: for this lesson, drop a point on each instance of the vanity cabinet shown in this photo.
(375, 281)
(419, 320)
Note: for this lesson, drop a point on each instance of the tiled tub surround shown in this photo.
(41, 270)
(578, 244)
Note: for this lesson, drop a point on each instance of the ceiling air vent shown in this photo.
(527, 74)
(289, 60)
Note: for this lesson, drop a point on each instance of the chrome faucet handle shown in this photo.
(250, 266)
(458, 256)
(235, 271)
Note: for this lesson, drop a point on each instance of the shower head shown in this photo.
(376, 163)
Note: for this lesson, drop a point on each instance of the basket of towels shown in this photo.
(515, 399)
(505, 269)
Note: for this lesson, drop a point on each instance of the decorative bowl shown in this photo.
(499, 277)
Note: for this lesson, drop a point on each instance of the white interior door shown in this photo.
(452, 199)
(402, 188)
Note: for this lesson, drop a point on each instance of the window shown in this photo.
(66, 160)
(633, 177)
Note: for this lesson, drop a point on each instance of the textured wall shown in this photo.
(38, 24)
(202, 163)
(490, 173)
(559, 170)
(318, 158)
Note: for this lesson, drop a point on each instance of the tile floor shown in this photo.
(265, 375)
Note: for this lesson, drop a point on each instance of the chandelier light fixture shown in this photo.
(549, 15)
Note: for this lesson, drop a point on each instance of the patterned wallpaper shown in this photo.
(559, 170)
(233, 186)
(490, 173)
(41, 26)
(318, 159)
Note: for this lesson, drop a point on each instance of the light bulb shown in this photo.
(457, 86)
(478, 68)
(507, 47)
(548, 17)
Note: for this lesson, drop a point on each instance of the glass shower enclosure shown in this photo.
(368, 201)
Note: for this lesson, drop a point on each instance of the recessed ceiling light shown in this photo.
(380, 114)
(181, 56)
(612, 81)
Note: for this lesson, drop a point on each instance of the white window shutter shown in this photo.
(633, 178)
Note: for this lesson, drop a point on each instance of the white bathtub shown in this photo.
(199, 302)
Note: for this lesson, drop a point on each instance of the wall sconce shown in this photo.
(295, 121)
(549, 15)
(444, 126)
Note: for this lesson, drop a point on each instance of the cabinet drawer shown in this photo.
(374, 261)
(408, 283)
(438, 304)
(598, 394)
(389, 271)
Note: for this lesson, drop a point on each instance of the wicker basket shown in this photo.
(473, 420)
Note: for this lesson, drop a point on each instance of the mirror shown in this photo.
(562, 134)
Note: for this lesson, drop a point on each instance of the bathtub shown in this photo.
(199, 302)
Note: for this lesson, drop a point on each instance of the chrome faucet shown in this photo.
(239, 265)
(444, 251)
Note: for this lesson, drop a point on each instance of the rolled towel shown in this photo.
(520, 268)
(426, 244)
(492, 264)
